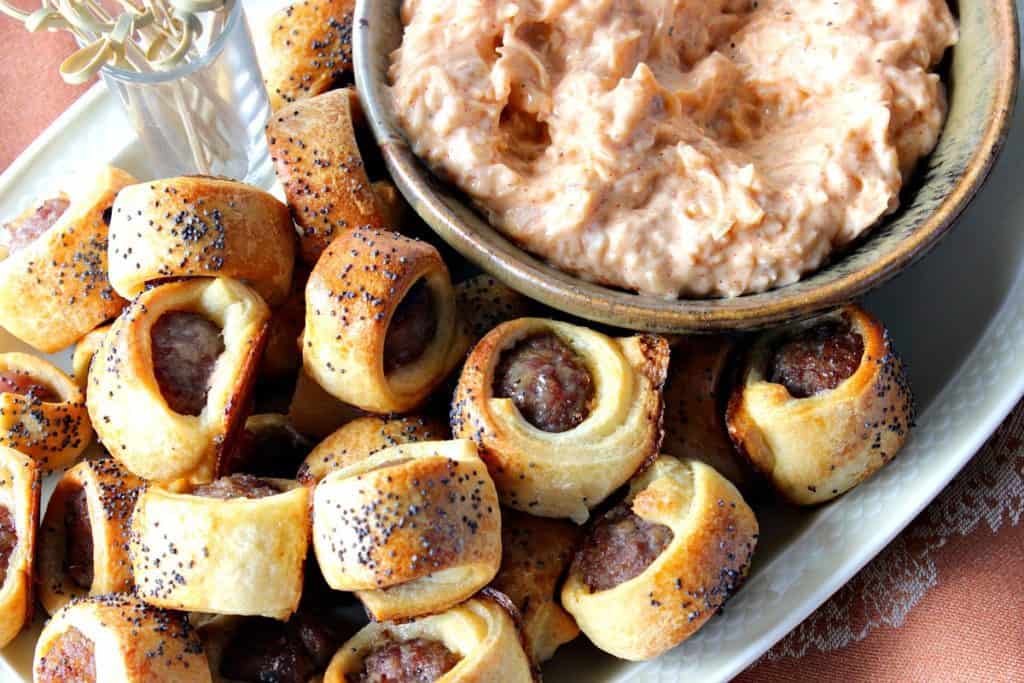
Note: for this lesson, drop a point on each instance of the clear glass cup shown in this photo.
(206, 116)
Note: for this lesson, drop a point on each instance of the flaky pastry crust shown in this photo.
(110, 494)
(55, 290)
(222, 556)
(351, 298)
(480, 632)
(20, 481)
(714, 535)
(413, 529)
(815, 448)
(198, 226)
(54, 432)
(565, 474)
(132, 417)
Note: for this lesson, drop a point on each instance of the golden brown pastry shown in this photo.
(364, 436)
(656, 567)
(170, 381)
(234, 546)
(53, 264)
(19, 516)
(313, 145)
(476, 642)
(485, 303)
(83, 544)
(118, 638)
(85, 350)
(413, 529)
(42, 411)
(563, 415)
(258, 649)
(381, 326)
(535, 555)
(315, 412)
(696, 393)
(310, 50)
(197, 226)
(821, 405)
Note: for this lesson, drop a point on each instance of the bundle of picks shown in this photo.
(139, 35)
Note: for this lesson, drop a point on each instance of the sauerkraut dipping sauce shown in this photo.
(689, 148)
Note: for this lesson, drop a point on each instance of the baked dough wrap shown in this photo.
(480, 632)
(351, 299)
(815, 448)
(565, 474)
(535, 554)
(198, 226)
(316, 157)
(128, 407)
(484, 303)
(240, 556)
(19, 501)
(85, 351)
(714, 533)
(54, 290)
(118, 638)
(412, 529)
(696, 394)
(49, 423)
(110, 492)
(309, 50)
(315, 412)
(364, 436)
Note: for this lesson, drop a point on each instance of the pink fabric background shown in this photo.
(945, 602)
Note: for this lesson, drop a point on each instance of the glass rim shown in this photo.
(155, 77)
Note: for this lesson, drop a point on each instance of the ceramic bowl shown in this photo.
(982, 80)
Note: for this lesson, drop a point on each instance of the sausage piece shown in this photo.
(268, 650)
(413, 661)
(547, 381)
(14, 382)
(72, 658)
(620, 546)
(22, 231)
(237, 486)
(275, 451)
(185, 347)
(78, 534)
(8, 541)
(817, 359)
(412, 328)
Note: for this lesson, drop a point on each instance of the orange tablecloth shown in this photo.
(944, 602)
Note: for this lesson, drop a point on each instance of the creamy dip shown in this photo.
(675, 147)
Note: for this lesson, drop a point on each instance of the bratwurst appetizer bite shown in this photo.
(821, 405)
(535, 554)
(197, 226)
(170, 380)
(413, 529)
(42, 411)
(83, 541)
(563, 415)
(309, 51)
(234, 546)
(476, 642)
(19, 515)
(382, 331)
(117, 637)
(657, 566)
(53, 264)
(313, 146)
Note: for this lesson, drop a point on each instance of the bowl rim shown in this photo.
(531, 276)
